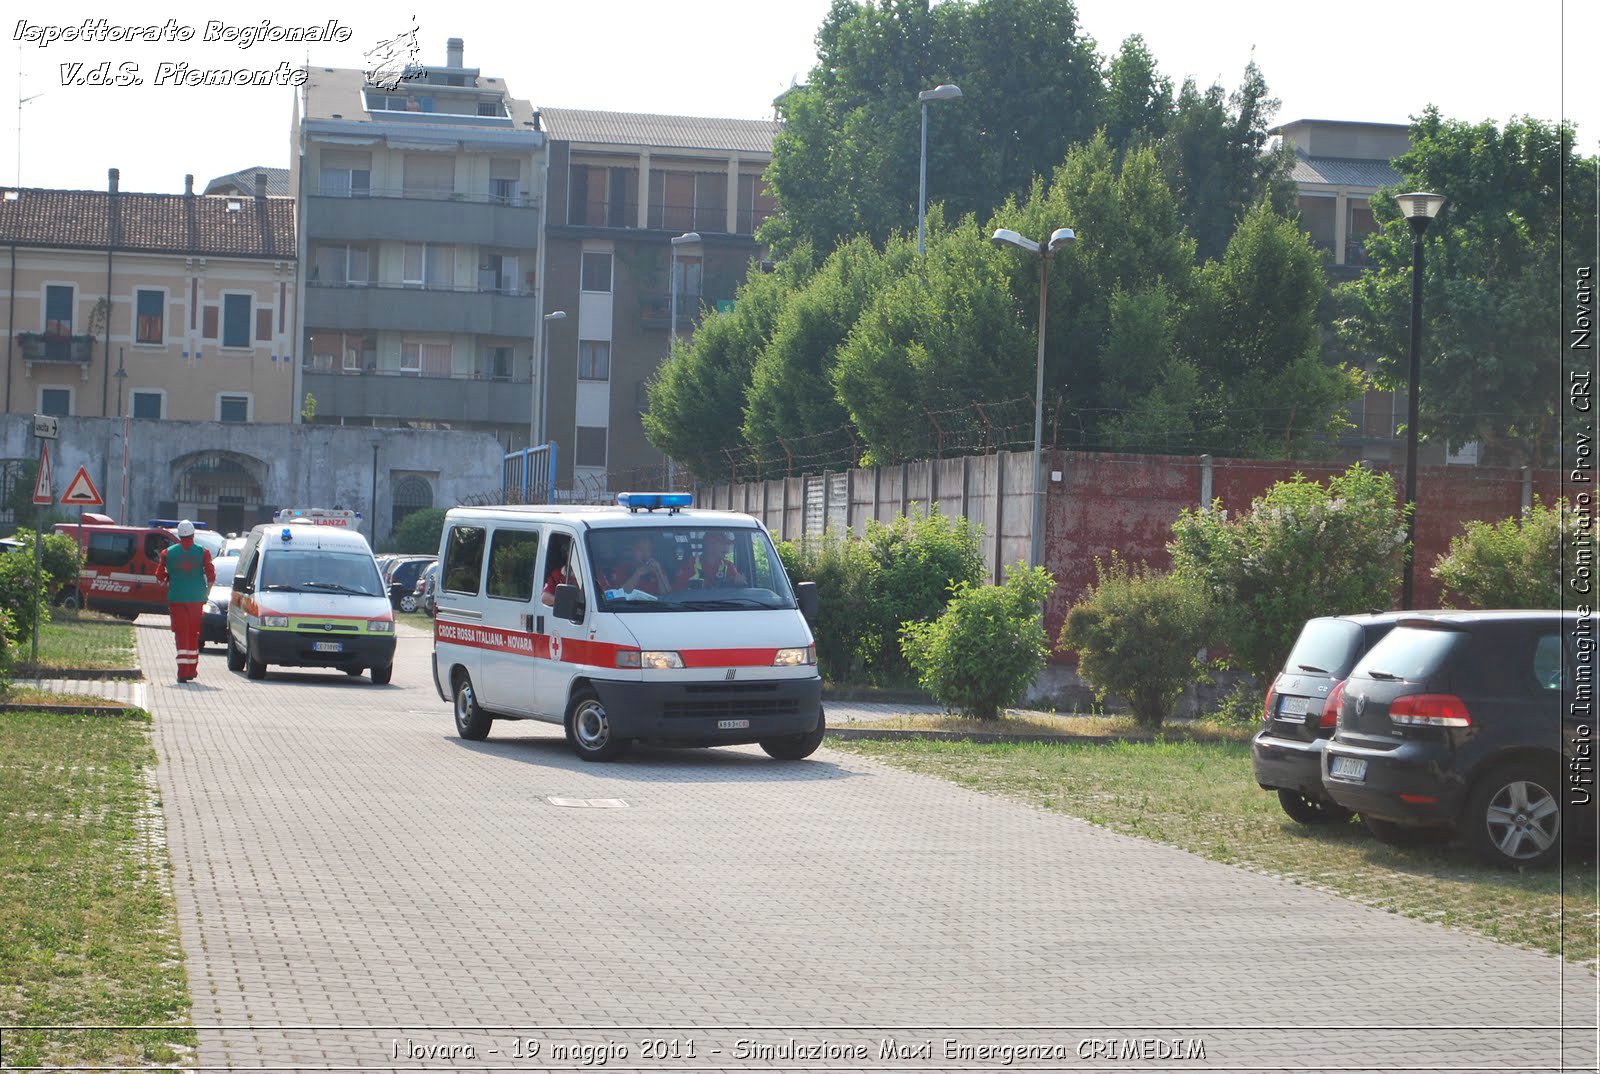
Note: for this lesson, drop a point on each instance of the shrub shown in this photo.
(22, 596)
(902, 571)
(59, 556)
(981, 654)
(1136, 633)
(843, 573)
(418, 533)
(8, 651)
(1515, 563)
(1302, 550)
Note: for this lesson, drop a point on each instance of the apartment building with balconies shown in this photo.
(420, 199)
(156, 306)
(623, 187)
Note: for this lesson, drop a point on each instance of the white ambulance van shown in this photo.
(648, 620)
(307, 594)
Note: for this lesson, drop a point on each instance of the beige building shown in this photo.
(160, 306)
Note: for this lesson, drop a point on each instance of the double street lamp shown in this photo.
(1060, 239)
(945, 92)
(688, 238)
(1419, 208)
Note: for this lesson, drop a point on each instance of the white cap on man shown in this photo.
(186, 528)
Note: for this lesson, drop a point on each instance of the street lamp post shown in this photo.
(122, 375)
(544, 376)
(945, 92)
(1060, 238)
(688, 238)
(1419, 209)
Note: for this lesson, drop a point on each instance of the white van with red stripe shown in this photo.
(648, 620)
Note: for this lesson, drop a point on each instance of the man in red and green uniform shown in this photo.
(187, 572)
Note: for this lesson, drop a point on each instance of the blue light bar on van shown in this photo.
(172, 524)
(651, 501)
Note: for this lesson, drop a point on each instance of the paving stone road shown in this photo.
(359, 888)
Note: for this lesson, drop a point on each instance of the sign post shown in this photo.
(81, 493)
(43, 496)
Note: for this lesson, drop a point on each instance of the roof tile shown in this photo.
(163, 223)
(658, 131)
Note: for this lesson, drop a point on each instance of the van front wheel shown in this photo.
(253, 668)
(796, 747)
(235, 655)
(589, 730)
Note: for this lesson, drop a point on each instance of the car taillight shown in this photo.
(1330, 707)
(1266, 710)
(1430, 710)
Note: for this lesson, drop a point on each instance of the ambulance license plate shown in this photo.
(328, 647)
(732, 725)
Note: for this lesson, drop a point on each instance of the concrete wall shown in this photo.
(294, 465)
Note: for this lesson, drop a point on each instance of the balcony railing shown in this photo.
(655, 309)
(334, 366)
(524, 201)
(708, 218)
(390, 285)
(37, 347)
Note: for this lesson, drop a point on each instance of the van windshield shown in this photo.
(678, 569)
(314, 570)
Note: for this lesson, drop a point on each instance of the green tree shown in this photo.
(1136, 633)
(1253, 333)
(791, 395)
(696, 398)
(1214, 154)
(1138, 103)
(1514, 563)
(938, 337)
(1491, 345)
(846, 161)
(1302, 550)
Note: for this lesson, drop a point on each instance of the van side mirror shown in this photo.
(805, 594)
(569, 602)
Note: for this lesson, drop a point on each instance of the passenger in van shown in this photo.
(714, 565)
(562, 575)
(639, 569)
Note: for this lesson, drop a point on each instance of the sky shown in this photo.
(731, 58)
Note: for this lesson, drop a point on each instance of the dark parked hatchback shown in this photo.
(1298, 717)
(1457, 722)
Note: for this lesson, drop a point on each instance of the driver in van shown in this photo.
(638, 569)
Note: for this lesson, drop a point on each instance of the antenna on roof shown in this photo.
(21, 100)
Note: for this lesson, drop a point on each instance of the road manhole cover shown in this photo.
(589, 803)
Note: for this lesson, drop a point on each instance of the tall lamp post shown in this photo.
(1419, 209)
(1060, 238)
(544, 375)
(122, 375)
(688, 238)
(945, 92)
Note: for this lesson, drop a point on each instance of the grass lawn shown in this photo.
(92, 641)
(420, 620)
(89, 935)
(1200, 796)
(1028, 722)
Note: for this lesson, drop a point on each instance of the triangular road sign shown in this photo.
(42, 492)
(81, 491)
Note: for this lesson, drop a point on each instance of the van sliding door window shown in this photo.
(512, 555)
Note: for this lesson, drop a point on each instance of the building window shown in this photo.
(590, 447)
(236, 320)
(233, 408)
(688, 201)
(498, 272)
(147, 404)
(500, 363)
(56, 401)
(341, 264)
(411, 494)
(596, 271)
(208, 322)
(428, 264)
(150, 316)
(346, 174)
(58, 303)
(425, 359)
(602, 196)
(755, 204)
(489, 108)
(594, 359)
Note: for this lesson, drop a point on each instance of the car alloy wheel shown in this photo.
(1523, 820)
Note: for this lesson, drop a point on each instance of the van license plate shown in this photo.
(328, 647)
(1353, 768)
(732, 725)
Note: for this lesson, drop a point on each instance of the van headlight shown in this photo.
(381, 626)
(793, 658)
(652, 659)
(281, 621)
